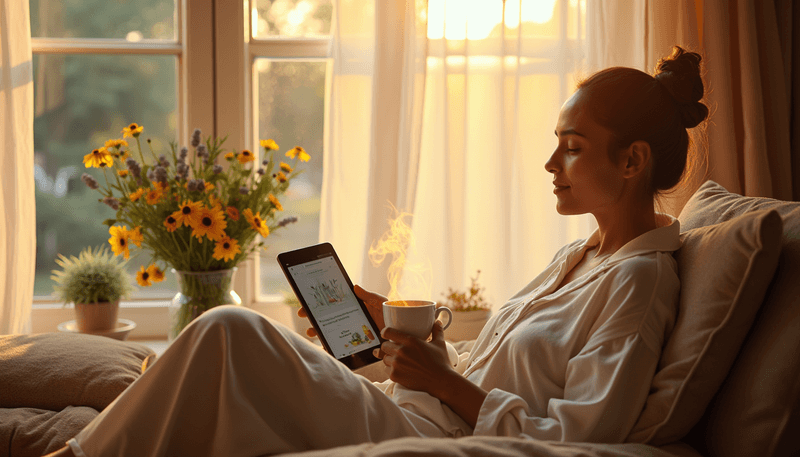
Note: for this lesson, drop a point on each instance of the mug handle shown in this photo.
(449, 313)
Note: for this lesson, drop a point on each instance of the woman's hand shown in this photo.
(374, 304)
(417, 364)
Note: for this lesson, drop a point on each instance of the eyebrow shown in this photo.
(569, 132)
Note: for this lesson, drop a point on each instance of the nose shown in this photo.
(552, 165)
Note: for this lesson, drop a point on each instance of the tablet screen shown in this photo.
(334, 306)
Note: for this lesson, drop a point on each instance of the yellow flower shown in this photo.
(280, 177)
(211, 224)
(122, 173)
(171, 223)
(256, 223)
(269, 144)
(143, 277)
(136, 237)
(154, 196)
(226, 249)
(233, 213)
(275, 202)
(285, 167)
(229, 156)
(155, 273)
(132, 130)
(116, 144)
(215, 203)
(188, 213)
(209, 186)
(136, 195)
(98, 158)
(298, 151)
(245, 156)
(119, 240)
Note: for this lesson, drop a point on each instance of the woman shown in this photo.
(570, 357)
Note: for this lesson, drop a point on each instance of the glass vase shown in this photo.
(199, 291)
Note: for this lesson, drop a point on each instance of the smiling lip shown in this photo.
(559, 188)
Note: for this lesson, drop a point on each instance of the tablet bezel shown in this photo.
(311, 253)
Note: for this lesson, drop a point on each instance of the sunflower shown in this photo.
(269, 144)
(98, 158)
(132, 130)
(122, 173)
(233, 213)
(211, 224)
(143, 277)
(230, 156)
(209, 187)
(136, 195)
(135, 236)
(187, 213)
(226, 249)
(275, 202)
(171, 223)
(119, 240)
(154, 196)
(155, 274)
(280, 177)
(285, 167)
(245, 156)
(256, 222)
(298, 151)
(214, 201)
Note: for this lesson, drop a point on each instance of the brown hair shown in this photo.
(657, 109)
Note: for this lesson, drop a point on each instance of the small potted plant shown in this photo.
(470, 309)
(94, 281)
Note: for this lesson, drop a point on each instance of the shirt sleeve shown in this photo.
(605, 392)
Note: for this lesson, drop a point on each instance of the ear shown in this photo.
(635, 158)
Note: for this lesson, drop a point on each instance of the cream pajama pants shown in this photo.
(235, 383)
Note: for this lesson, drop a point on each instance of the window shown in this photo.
(172, 66)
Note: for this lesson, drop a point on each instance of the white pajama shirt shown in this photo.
(570, 365)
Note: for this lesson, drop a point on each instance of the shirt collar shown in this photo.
(662, 239)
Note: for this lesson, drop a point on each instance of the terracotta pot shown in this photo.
(467, 325)
(96, 317)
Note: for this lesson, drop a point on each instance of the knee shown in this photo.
(232, 318)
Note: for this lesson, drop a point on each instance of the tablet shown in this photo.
(341, 319)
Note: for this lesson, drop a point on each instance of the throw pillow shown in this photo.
(30, 431)
(757, 409)
(724, 271)
(56, 370)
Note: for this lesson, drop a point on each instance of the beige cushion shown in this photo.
(56, 370)
(30, 431)
(757, 410)
(724, 271)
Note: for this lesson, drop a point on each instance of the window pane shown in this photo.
(80, 102)
(292, 18)
(291, 111)
(131, 20)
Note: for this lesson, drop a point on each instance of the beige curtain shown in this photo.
(17, 204)
(749, 74)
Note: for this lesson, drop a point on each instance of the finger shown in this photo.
(302, 312)
(311, 332)
(392, 334)
(367, 295)
(437, 333)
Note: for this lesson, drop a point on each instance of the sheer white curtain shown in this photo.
(17, 204)
(456, 131)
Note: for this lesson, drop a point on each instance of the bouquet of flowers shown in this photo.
(197, 210)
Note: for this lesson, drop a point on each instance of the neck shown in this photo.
(622, 224)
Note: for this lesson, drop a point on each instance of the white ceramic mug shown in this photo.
(414, 317)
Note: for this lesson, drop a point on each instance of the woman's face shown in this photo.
(585, 179)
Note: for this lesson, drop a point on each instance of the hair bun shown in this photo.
(679, 73)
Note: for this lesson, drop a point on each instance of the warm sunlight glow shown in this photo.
(477, 19)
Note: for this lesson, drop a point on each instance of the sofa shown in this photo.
(727, 384)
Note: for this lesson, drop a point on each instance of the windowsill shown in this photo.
(151, 317)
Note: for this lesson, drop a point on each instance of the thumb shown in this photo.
(437, 333)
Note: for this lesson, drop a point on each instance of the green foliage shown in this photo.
(470, 300)
(94, 276)
(290, 299)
